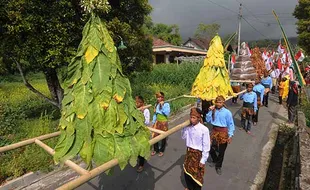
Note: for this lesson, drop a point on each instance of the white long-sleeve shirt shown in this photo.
(146, 113)
(197, 137)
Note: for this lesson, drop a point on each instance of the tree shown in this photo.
(43, 36)
(302, 13)
(264, 43)
(207, 31)
(40, 36)
(126, 20)
(168, 33)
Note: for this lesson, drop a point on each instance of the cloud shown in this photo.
(188, 14)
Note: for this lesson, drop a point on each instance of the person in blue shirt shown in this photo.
(267, 83)
(259, 89)
(249, 108)
(160, 122)
(223, 130)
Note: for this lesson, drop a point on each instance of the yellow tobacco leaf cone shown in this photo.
(213, 79)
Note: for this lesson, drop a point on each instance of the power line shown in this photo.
(267, 14)
(222, 6)
(255, 28)
(268, 23)
(252, 14)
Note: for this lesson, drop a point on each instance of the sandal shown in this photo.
(160, 154)
(153, 153)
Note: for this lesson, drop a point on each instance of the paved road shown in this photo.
(240, 166)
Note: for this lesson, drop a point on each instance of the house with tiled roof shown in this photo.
(197, 43)
(164, 52)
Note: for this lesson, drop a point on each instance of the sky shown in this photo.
(258, 13)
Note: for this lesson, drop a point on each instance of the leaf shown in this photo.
(82, 99)
(87, 150)
(92, 37)
(87, 72)
(74, 73)
(103, 149)
(140, 143)
(120, 88)
(81, 127)
(104, 99)
(105, 36)
(122, 150)
(67, 99)
(90, 54)
(121, 115)
(101, 79)
(95, 115)
(63, 147)
(109, 118)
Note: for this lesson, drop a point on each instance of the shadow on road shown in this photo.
(129, 179)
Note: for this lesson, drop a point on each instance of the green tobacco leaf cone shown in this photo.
(99, 118)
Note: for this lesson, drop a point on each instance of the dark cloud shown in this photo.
(188, 14)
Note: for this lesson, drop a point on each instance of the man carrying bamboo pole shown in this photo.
(146, 114)
(197, 140)
(249, 108)
(223, 130)
(259, 89)
(160, 122)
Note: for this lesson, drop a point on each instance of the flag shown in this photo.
(280, 49)
(279, 64)
(300, 78)
(233, 59)
(299, 56)
(264, 55)
(249, 50)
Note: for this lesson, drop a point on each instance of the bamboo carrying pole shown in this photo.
(144, 107)
(228, 98)
(156, 130)
(100, 169)
(242, 81)
(29, 141)
(69, 163)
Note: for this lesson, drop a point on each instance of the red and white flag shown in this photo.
(233, 59)
(279, 64)
(264, 55)
(299, 56)
(249, 50)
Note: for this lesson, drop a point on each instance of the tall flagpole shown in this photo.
(239, 27)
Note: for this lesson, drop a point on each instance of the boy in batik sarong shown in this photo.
(223, 130)
(249, 108)
(160, 122)
(197, 139)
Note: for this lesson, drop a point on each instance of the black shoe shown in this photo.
(266, 106)
(218, 171)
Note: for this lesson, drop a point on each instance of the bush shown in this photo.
(28, 158)
(172, 79)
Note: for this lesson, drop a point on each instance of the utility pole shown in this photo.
(239, 27)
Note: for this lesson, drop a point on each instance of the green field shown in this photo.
(24, 115)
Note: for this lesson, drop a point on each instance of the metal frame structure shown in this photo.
(88, 175)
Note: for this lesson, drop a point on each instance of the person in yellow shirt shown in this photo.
(286, 87)
(281, 89)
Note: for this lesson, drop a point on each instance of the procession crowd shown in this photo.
(200, 142)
